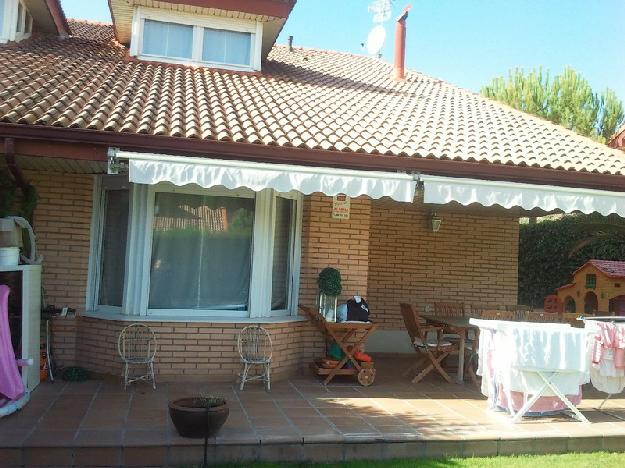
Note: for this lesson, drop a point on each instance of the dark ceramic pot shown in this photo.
(195, 421)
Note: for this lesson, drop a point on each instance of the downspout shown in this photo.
(399, 67)
(28, 191)
(16, 172)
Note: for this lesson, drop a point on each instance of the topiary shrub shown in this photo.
(329, 281)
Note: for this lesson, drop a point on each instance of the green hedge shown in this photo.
(545, 259)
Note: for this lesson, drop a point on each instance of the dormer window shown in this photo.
(221, 46)
(217, 42)
(167, 40)
(15, 21)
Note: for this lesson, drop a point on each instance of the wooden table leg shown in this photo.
(461, 344)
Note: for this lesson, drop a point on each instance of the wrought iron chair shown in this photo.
(255, 348)
(137, 348)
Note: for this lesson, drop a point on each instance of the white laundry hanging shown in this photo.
(519, 359)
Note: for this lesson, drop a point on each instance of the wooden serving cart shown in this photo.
(349, 336)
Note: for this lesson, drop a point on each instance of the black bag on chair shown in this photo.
(357, 309)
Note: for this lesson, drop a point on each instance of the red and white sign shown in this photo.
(341, 206)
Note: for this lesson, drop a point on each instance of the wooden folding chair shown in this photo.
(433, 350)
(497, 315)
(449, 309)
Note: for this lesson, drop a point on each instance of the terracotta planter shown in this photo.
(194, 421)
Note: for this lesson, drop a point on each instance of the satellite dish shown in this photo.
(375, 40)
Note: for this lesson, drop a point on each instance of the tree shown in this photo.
(567, 100)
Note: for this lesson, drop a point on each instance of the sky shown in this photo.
(465, 42)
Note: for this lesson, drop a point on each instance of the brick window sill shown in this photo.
(108, 315)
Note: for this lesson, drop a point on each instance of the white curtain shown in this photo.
(226, 46)
(201, 252)
(167, 39)
(113, 254)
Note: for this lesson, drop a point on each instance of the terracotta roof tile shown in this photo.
(305, 98)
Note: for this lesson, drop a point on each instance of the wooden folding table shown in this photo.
(349, 336)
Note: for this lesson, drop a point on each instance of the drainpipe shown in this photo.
(399, 70)
(27, 189)
(16, 172)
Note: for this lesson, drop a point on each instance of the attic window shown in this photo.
(20, 17)
(15, 21)
(167, 39)
(174, 37)
(220, 46)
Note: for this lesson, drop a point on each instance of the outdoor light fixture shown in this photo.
(436, 222)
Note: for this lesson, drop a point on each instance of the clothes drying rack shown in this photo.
(612, 319)
(548, 384)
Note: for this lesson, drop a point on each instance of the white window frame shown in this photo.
(139, 253)
(100, 186)
(8, 28)
(199, 22)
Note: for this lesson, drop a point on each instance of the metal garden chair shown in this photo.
(137, 348)
(255, 348)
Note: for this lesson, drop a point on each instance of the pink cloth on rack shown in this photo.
(609, 336)
(11, 385)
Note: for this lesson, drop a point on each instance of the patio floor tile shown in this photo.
(390, 418)
(98, 438)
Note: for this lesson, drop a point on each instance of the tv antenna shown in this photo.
(381, 10)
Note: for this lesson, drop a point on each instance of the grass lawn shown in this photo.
(572, 460)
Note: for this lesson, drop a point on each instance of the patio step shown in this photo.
(359, 448)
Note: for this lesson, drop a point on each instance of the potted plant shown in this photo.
(330, 288)
(199, 417)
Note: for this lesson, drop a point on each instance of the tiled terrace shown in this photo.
(96, 423)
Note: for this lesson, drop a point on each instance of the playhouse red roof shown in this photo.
(611, 268)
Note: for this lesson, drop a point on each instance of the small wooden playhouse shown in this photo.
(598, 286)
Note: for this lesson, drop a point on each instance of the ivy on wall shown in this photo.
(550, 251)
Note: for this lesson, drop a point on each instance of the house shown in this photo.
(618, 140)
(598, 286)
(186, 167)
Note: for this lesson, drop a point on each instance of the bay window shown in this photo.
(108, 260)
(194, 252)
(201, 252)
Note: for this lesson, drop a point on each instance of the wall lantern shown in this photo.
(436, 222)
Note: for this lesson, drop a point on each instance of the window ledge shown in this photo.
(107, 315)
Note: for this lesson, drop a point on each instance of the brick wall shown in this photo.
(62, 223)
(343, 244)
(473, 258)
(203, 350)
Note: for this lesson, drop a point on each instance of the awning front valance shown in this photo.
(443, 190)
(154, 168)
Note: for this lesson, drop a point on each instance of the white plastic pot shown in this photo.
(9, 256)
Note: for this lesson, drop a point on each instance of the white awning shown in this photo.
(443, 190)
(151, 169)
